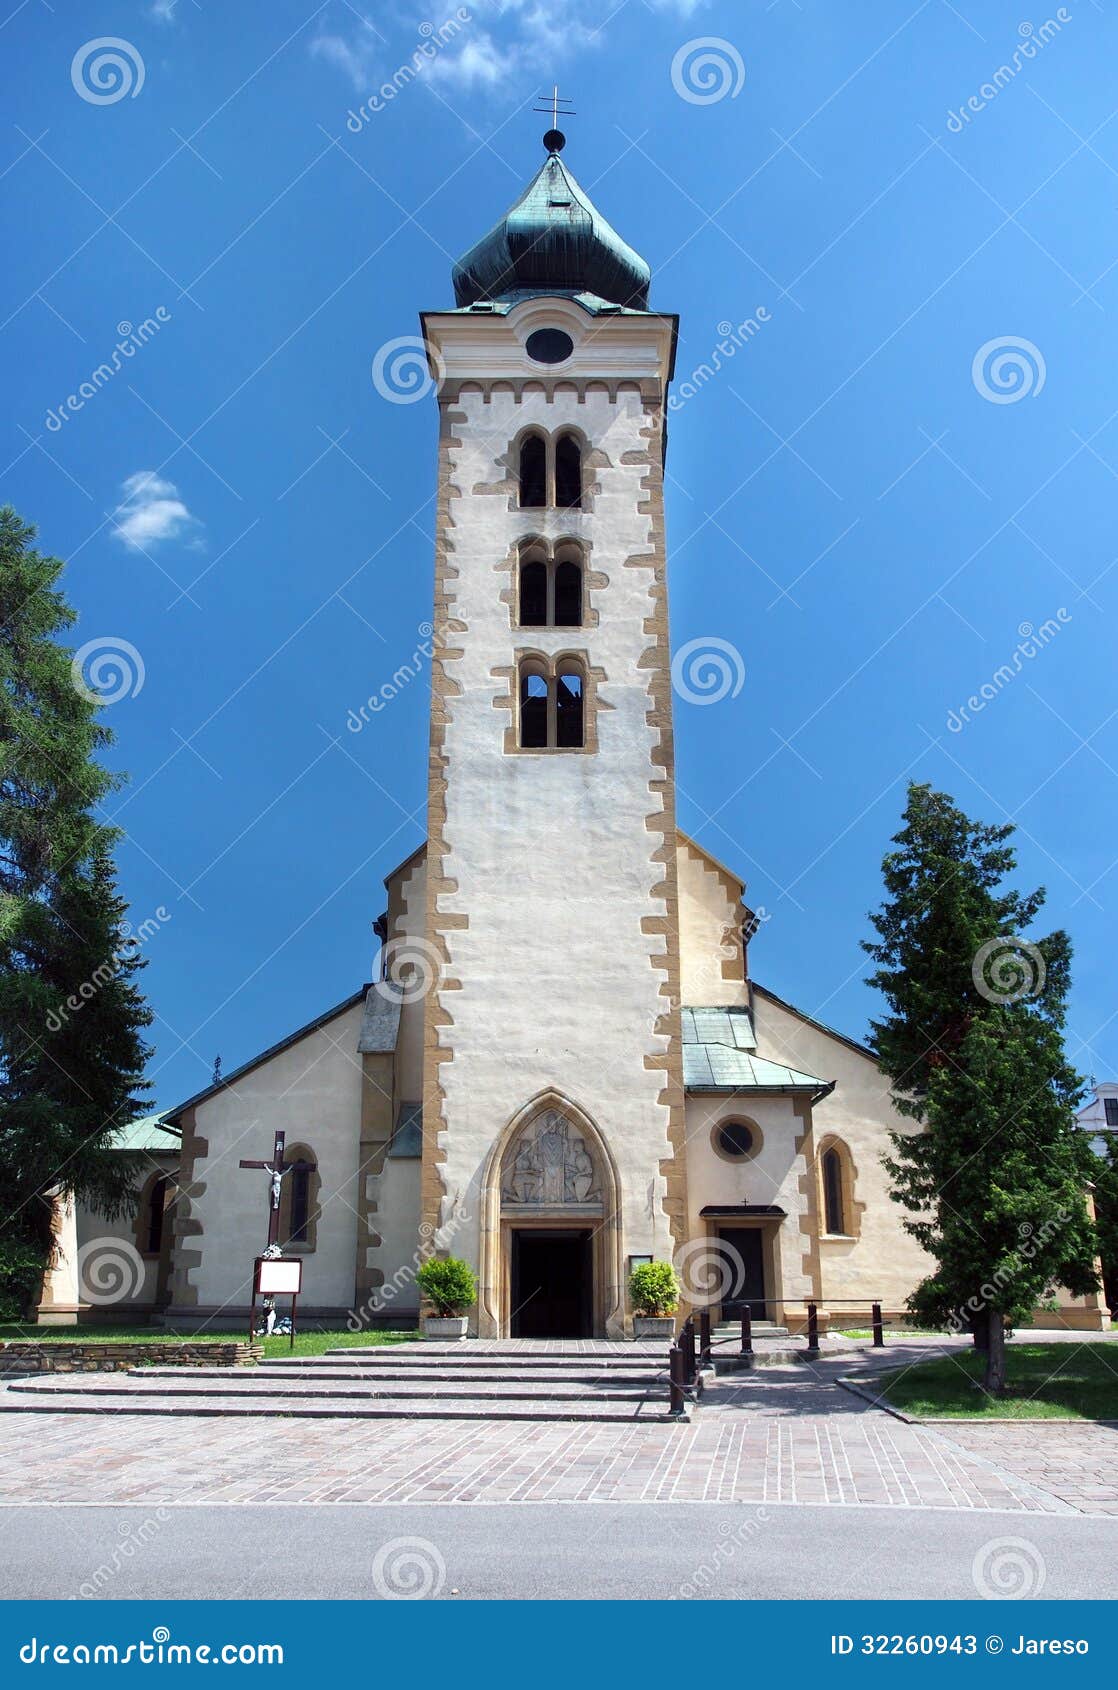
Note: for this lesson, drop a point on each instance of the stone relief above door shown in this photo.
(549, 1166)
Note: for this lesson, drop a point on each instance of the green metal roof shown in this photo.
(553, 240)
(148, 1133)
(719, 1054)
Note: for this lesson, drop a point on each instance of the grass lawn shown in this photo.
(307, 1343)
(1043, 1382)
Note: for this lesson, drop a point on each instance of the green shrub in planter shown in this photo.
(448, 1283)
(654, 1288)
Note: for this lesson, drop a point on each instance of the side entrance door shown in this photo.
(743, 1255)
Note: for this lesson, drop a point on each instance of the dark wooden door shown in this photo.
(551, 1284)
(744, 1264)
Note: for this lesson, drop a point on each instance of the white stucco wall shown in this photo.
(710, 916)
(883, 1262)
(398, 1225)
(772, 1176)
(551, 854)
(312, 1092)
(111, 1255)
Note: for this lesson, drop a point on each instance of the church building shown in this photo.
(568, 1066)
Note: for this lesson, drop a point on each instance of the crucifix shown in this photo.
(278, 1169)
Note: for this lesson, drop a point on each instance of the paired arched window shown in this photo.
(550, 590)
(550, 471)
(552, 705)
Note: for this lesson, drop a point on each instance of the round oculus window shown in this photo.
(549, 346)
(735, 1139)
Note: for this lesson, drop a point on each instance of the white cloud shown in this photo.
(480, 63)
(353, 56)
(163, 10)
(150, 511)
(503, 43)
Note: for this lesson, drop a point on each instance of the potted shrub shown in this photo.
(451, 1286)
(654, 1294)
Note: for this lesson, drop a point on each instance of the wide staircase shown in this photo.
(517, 1379)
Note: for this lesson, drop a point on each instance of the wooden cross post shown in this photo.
(278, 1169)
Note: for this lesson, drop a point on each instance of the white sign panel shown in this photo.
(276, 1277)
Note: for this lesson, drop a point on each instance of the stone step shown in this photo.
(319, 1408)
(409, 1379)
(298, 1390)
(477, 1355)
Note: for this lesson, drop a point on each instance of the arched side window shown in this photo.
(568, 473)
(552, 705)
(568, 593)
(299, 1200)
(840, 1213)
(533, 593)
(834, 1217)
(533, 472)
(151, 1215)
(570, 706)
(535, 708)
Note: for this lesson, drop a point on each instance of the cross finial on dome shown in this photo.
(555, 140)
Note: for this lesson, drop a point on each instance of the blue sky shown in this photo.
(866, 504)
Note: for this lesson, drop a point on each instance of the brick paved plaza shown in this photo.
(780, 1435)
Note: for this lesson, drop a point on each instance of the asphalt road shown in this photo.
(564, 1550)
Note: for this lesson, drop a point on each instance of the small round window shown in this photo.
(549, 346)
(735, 1139)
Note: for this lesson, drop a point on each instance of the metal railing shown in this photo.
(689, 1356)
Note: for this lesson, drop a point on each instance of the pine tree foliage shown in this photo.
(994, 1174)
(72, 1053)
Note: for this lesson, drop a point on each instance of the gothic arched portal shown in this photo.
(550, 1169)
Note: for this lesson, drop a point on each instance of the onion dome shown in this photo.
(553, 240)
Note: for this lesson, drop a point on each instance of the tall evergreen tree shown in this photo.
(71, 1016)
(973, 1046)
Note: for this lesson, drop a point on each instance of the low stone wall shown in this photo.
(51, 1357)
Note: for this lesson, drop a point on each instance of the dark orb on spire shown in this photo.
(555, 140)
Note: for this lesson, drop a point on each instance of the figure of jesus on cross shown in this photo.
(278, 1169)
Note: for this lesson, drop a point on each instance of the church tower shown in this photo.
(553, 1100)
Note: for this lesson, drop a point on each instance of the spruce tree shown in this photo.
(994, 1181)
(71, 1016)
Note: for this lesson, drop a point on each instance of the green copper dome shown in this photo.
(553, 241)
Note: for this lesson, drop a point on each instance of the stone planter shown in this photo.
(657, 1326)
(446, 1326)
